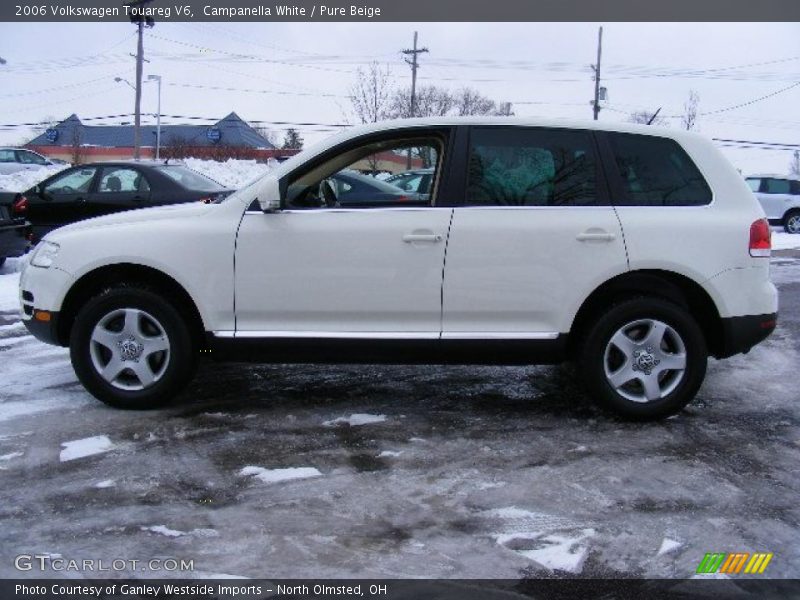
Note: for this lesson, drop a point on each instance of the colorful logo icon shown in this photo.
(735, 563)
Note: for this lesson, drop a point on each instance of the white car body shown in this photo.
(465, 274)
(14, 160)
(779, 196)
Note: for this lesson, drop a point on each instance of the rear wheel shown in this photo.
(644, 359)
(791, 222)
(131, 349)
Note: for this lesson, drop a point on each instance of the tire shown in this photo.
(626, 356)
(131, 348)
(791, 222)
(2, 260)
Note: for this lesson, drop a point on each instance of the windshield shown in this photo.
(191, 180)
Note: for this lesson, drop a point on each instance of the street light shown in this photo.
(125, 81)
(158, 116)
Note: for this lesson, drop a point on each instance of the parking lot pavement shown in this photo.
(385, 471)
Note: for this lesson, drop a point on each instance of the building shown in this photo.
(231, 137)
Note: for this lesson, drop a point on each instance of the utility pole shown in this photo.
(141, 21)
(596, 68)
(158, 116)
(414, 66)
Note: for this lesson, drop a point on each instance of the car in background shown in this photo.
(96, 189)
(351, 189)
(779, 196)
(13, 160)
(15, 231)
(418, 181)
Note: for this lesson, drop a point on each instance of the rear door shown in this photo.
(775, 197)
(118, 188)
(533, 236)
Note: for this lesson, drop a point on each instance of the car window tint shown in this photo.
(777, 186)
(190, 180)
(30, 158)
(531, 167)
(754, 184)
(119, 179)
(657, 172)
(7, 156)
(78, 180)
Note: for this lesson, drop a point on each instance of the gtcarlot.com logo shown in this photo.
(735, 563)
(55, 562)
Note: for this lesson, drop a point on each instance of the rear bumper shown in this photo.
(14, 239)
(742, 333)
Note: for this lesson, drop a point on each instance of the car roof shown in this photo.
(131, 163)
(773, 176)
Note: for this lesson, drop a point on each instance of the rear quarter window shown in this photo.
(656, 171)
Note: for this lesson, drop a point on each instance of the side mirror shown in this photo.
(268, 195)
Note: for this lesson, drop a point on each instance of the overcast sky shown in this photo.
(54, 70)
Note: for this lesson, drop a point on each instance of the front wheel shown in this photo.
(644, 359)
(131, 349)
(791, 224)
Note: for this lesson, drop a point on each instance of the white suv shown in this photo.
(635, 251)
(779, 196)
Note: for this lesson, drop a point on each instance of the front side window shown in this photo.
(79, 180)
(657, 172)
(121, 179)
(346, 181)
(531, 167)
(777, 186)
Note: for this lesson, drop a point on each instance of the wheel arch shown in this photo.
(95, 281)
(666, 285)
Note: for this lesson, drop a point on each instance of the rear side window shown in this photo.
(776, 186)
(755, 184)
(531, 167)
(657, 172)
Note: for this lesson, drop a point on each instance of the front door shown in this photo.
(61, 200)
(322, 269)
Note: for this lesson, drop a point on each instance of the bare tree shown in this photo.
(794, 165)
(371, 94)
(77, 152)
(175, 147)
(470, 102)
(689, 118)
(505, 109)
(268, 134)
(646, 118)
(431, 101)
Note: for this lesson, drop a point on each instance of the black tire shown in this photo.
(157, 320)
(640, 320)
(2, 260)
(791, 221)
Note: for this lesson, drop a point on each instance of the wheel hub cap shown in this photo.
(644, 360)
(130, 349)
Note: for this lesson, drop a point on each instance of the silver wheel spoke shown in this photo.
(144, 373)
(154, 344)
(104, 337)
(623, 343)
(131, 326)
(622, 376)
(672, 362)
(112, 370)
(652, 391)
(656, 334)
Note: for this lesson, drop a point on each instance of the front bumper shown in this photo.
(43, 325)
(739, 334)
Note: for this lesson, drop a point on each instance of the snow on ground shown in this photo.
(23, 180)
(355, 420)
(278, 475)
(85, 447)
(785, 241)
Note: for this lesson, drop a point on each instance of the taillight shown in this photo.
(402, 199)
(760, 238)
(20, 206)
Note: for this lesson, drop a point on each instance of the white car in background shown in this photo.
(779, 196)
(13, 160)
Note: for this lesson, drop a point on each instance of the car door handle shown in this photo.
(595, 235)
(433, 238)
(81, 199)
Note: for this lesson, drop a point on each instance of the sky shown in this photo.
(303, 73)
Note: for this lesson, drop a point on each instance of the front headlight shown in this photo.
(45, 254)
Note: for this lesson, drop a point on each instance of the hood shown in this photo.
(137, 215)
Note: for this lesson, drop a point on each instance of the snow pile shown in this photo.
(232, 173)
(355, 420)
(785, 241)
(278, 475)
(85, 447)
(23, 180)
